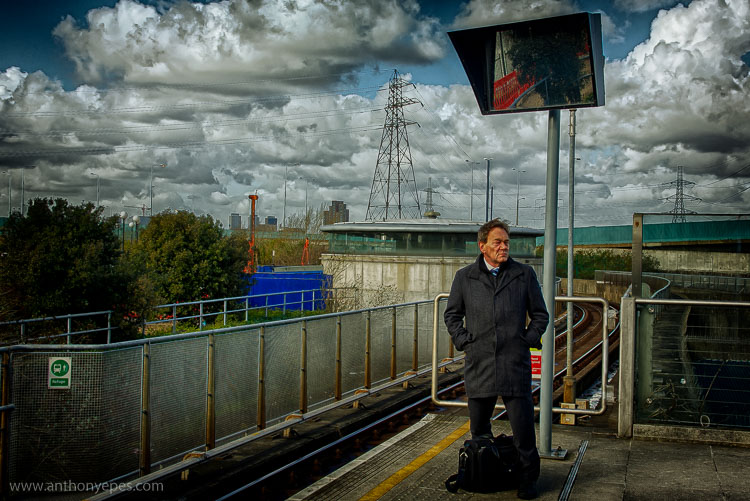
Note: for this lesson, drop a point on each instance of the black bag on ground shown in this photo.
(486, 465)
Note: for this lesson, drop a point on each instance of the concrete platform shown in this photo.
(414, 464)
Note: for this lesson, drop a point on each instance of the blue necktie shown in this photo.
(495, 271)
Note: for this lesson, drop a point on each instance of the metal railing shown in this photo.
(303, 300)
(671, 369)
(23, 326)
(604, 346)
(137, 406)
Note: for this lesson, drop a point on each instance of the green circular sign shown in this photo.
(60, 368)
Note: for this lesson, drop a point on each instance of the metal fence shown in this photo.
(199, 313)
(138, 405)
(684, 362)
(30, 330)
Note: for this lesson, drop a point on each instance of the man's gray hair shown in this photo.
(485, 229)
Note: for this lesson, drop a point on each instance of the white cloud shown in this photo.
(232, 40)
(679, 98)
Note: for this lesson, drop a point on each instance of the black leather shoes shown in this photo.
(527, 490)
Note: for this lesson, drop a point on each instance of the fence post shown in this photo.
(415, 353)
(109, 327)
(337, 383)
(303, 370)
(628, 326)
(225, 312)
(70, 322)
(23, 332)
(261, 417)
(200, 317)
(283, 310)
(210, 400)
(393, 343)
(4, 397)
(368, 378)
(145, 455)
(174, 318)
(247, 308)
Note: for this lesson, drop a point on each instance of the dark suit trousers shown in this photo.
(521, 416)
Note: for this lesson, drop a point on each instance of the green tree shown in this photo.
(189, 258)
(60, 259)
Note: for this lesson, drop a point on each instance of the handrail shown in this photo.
(559, 410)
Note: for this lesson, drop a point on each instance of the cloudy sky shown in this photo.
(211, 101)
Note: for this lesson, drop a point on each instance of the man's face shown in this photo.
(496, 248)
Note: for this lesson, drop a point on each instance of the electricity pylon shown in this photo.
(394, 192)
(679, 197)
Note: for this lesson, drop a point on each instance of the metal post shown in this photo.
(70, 321)
(487, 194)
(492, 201)
(210, 392)
(283, 309)
(174, 318)
(628, 323)
(637, 255)
(550, 243)
(338, 383)
(109, 327)
(145, 455)
(569, 381)
(368, 378)
(393, 343)
(200, 317)
(225, 312)
(261, 417)
(4, 400)
(415, 352)
(247, 308)
(23, 332)
(303, 369)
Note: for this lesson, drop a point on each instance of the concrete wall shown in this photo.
(378, 280)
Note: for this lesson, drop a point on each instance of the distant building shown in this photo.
(272, 220)
(235, 221)
(336, 213)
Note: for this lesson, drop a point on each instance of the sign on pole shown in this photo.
(543, 64)
(58, 375)
(536, 363)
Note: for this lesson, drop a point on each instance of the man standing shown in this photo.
(486, 317)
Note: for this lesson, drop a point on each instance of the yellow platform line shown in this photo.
(410, 468)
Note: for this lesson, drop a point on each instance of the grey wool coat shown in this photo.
(486, 318)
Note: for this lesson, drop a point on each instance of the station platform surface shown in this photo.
(414, 464)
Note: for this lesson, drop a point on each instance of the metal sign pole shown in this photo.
(550, 248)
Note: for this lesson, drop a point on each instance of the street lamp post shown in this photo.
(136, 220)
(518, 190)
(123, 216)
(471, 197)
(151, 189)
(97, 187)
(283, 220)
(487, 194)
